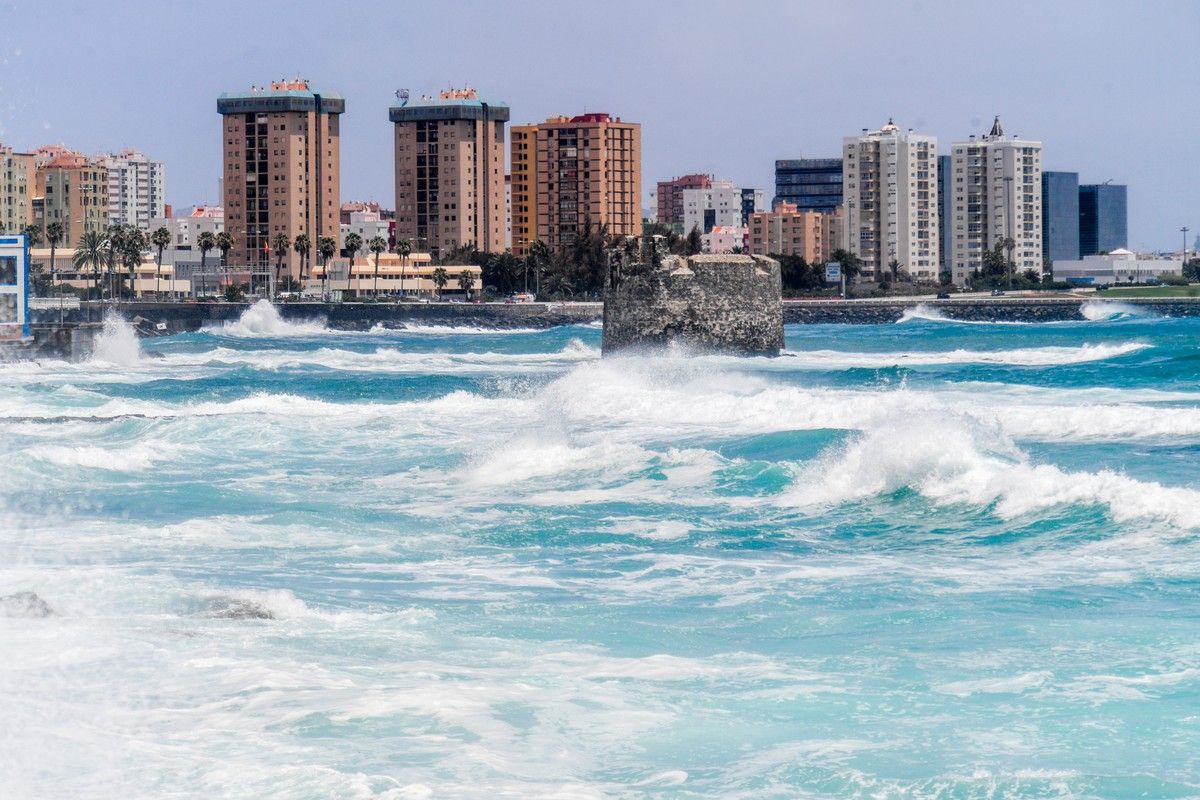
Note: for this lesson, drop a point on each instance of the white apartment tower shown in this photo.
(997, 185)
(135, 189)
(891, 201)
(721, 204)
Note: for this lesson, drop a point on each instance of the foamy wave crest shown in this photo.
(923, 312)
(953, 462)
(391, 359)
(455, 330)
(262, 320)
(134, 458)
(1110, 310)
(117, 343)
(1026, 356)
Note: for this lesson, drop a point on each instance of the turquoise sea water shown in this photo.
(928, 559)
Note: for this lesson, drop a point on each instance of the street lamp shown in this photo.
(1185, 230)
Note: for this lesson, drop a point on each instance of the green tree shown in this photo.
(538, 260)
(352, 245)
(440, 279)
(206, 241)
(54, 235)
(377, 246)
(303, 246)
(91, 252)
(326, 249)
(894, 269)
(34, 233)
(133, 245)
(282, 244)
(403, 248)
(466, 282)
(160, 239)
(694, 244)
(224, 245)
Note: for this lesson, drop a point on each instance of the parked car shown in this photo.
(997, 292)
(943, 296)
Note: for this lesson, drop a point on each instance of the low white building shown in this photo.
(725, 238)
(1119, 266)
(186, 229)
(721, 204)
(368, 225)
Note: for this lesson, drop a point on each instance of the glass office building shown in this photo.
(1103, 225)
(813, 184)
(1060, 216)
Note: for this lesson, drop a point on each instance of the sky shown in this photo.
(725, 88)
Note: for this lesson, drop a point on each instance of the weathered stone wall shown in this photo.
(723, 303)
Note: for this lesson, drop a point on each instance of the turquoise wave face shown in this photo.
(928, 559)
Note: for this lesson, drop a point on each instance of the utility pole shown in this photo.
(1185, 230)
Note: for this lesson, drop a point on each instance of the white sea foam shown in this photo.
(1025, 356)
(117, 343)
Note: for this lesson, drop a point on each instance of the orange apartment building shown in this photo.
(568, 170)
(73, 190)
(787, 231)
(450, 172)
(18, 182)
(282, 169)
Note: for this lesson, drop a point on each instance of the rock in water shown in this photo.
(233, 608)
(24, 604)
(707, 303)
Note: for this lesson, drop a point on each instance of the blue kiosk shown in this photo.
(14, 287)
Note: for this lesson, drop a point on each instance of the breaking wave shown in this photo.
(117, 343)
(1111, 310)
(262, 320)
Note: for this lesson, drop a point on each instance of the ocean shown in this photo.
(930, 559)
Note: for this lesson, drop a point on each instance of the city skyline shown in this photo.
(798, 95)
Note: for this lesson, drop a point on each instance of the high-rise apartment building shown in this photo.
(281, 169)
(1103, 225)
(810, 184)
(721, 203)
(571, 171)
(1060, 217)
(18, 181)
(669, 197)
(136, 188)
(73, 190)
(997, 196)
(450, 171)
(891, 201)
(787, 231)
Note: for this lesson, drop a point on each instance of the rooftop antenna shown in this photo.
(402, 96)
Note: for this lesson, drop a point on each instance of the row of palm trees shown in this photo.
(123, 246)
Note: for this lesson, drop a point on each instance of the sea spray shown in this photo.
(262, 320)
(117, 343)
(1109, 310)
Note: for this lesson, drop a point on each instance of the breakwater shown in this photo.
(69, 332)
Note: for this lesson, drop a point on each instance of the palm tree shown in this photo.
(34, 233)
(132, 245)
(466, 282)
(281, 243)
(440, 279)
(403, 248)
(353, 244)
(54, 235)
(90, 253)
(116, 248)
(160, 239)
(539, 256)
(302, 246)
(205, 241)
(377, 245)
(225, 244)
(326, 248)
(894, 268)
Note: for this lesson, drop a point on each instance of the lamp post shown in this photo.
(1011, 266)
(1184, 230)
